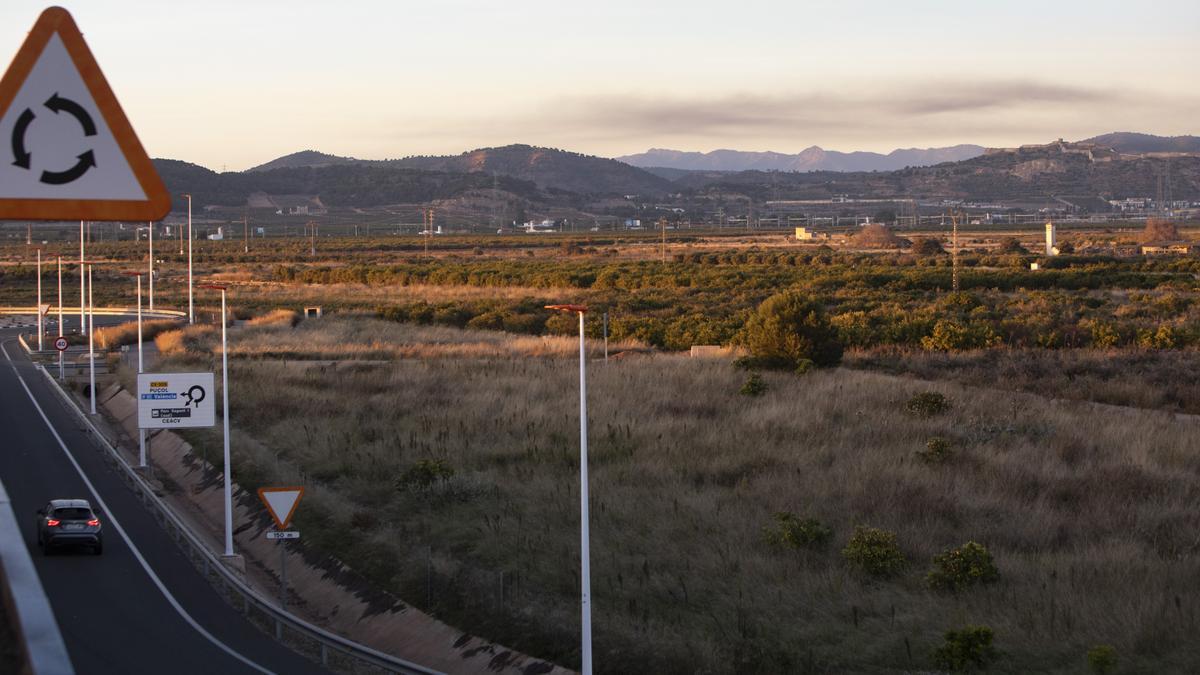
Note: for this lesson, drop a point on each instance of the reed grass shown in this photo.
(1090, 514)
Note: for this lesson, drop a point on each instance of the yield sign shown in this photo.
(281, 502)
(67, 151)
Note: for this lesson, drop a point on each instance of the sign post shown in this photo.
(281, 503)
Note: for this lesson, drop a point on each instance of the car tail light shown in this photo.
(52, 523)
(94, 522)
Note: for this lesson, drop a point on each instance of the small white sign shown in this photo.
(286, 534)
(176, 400)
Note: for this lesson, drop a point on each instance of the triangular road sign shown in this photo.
(67, 152)
(281, 503)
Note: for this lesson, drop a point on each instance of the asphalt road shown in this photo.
(139, 608)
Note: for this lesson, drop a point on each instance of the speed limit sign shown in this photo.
(60, 344)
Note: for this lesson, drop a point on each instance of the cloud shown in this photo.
(863, 105)
(860, 115)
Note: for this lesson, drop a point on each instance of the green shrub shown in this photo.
(424, 475)
(927, 404)
(937, 451)
(1102, 659)
(968, 648)
(788, 328)
(950, 335)
(957, 568)
(754, 386)
(791, 531)
(927, 246)
(874, 551)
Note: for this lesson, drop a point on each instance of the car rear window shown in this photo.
(72, 514)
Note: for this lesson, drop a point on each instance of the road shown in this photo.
(140, 607)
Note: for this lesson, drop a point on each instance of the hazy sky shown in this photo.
(233, 83)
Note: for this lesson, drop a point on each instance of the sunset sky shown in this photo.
(231, 84)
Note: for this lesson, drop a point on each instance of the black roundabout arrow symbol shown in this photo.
(18, 139)
(86, 161)
(58, 104)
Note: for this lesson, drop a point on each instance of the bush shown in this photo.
(1011, 245)
(966, 648)
(927, 246)
(424, 475)
(927, 404)
(788, 328)
(950, 335)
(874, 551)
(754, 386)
(1102, 659)
(937, 451)
(790, 531)
(957, 568)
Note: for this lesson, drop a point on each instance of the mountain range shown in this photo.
(516, 177)
(809, 159)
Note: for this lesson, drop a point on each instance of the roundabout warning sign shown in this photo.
(67, 151)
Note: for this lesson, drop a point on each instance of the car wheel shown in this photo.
(99, 548)
(45, 548)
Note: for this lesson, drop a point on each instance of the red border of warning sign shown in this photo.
(158, 201)
(286, 521)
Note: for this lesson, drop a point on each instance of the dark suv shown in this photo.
(64, 522)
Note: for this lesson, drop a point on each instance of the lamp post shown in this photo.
(191, 308)
(39, 307)
(584, 536)
(150, 230)
(225, 418)
(82, 285)
(91, 335)
(141, 432)
(60, 319)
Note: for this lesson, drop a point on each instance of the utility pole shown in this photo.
(246, 233)
(954, 251)
(663, 223)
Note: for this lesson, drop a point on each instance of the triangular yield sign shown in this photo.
(281, 503)
(67, 151)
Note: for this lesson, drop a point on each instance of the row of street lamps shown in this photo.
(580, 310)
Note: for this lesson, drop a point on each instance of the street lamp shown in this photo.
(91, 329)
(584, 546)
(150, 231)
(141, 432)
(82, 283)
(225, 414)
(60, 319)
(39, 302)
(191, 310)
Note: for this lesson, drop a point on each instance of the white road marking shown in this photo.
(112, 518)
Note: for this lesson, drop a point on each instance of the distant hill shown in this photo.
(1034, 171)
(305, 158)
(343, 185)
(548, 168)
(810, 159)
(1132, 143)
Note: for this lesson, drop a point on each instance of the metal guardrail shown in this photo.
(326, 646)
(29, 610)
(100, 311)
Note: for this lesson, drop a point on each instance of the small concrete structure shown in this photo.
(312, 312)
(1050, 232)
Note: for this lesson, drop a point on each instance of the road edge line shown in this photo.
(137, 554)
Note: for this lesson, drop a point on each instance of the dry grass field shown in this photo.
(443, 466)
